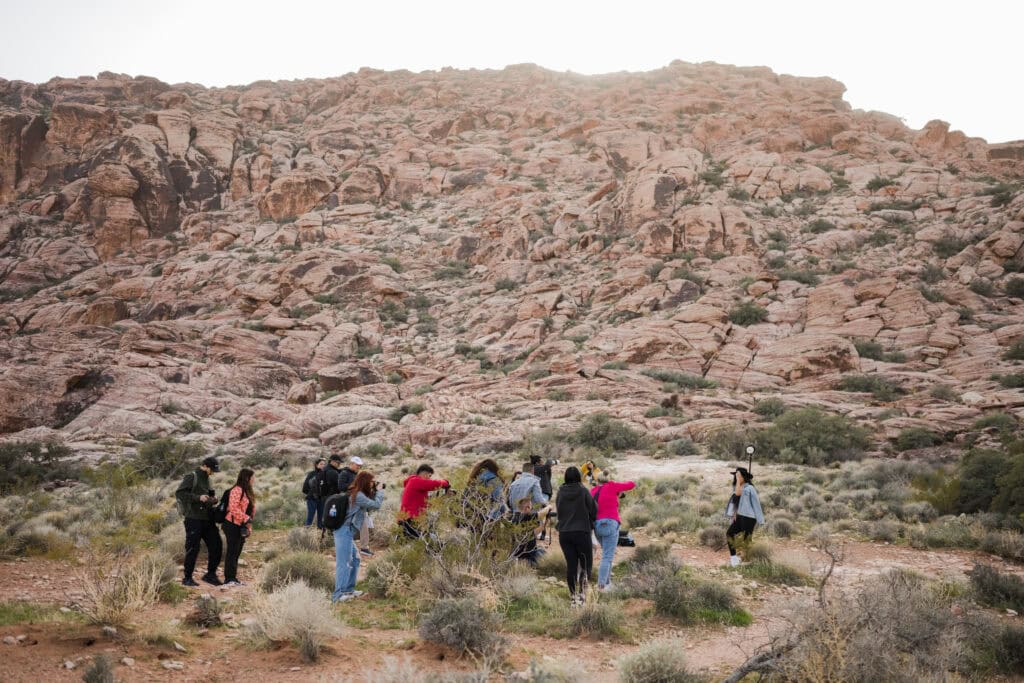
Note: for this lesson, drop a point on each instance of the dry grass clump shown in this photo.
(115, 597)
(597, 620)
(657, 662)
(312, 569)
(463, 625)
(296, 614)
(205, 612)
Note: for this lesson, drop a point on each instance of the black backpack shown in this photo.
(306, 488)
(220, 513)
(335, 511)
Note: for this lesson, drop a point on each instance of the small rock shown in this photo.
(179, 647)
(21, 639)
(173, 665)
(65, 610)
(128, 661)
(1011, 612)
(295, 668)
(10, 640)
(110, 631)
(69, 665)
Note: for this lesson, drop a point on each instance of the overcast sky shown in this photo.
(960, 62)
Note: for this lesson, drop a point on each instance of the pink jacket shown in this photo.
(608, 498)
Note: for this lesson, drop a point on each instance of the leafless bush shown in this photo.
(657, 662)
(463, 625)
(297, 614)
(115, 597)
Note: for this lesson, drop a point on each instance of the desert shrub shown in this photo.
(770, 408)
(684, 380)
(713, 537)
(302, 540)
(995, 647)
(997, 589)
(36, 537)
(917, 437)
(597, 619)
(880, 388)
(982, 287)
(819, 226)
(658, 662)
(401, 411)
(803, 276)
(552, 564)
(747, 313)
(782, 527)
(602, 431)
(1012, 380)
(1001, 422)
(1008, 544)
(115, 598)
(948, 245)
(878, 182)
(463, 625)
(296, 614)
(868, 349)
(1015, 352)
(932, 273)
(944, 392)
(944, 533)
(392, 572)
(166, 458)
(1015, 287)
(691, 601)
(100, 670)
(310, 568)
(979, 472)
(810, 436)
(683, 446)
(206, 611)
(27, 464)
(883, 530)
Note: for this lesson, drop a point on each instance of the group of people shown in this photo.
(203, 511)
(342, 499)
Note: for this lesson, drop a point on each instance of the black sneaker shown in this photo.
(366, 552)
(190, 583)
(212, 580)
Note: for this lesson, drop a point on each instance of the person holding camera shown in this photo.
(606, 528)
(365, 495)
(744, 511)
(415, 491)
(526, 486)
(530, 527)
(238, 522)
(577, 513)
(196, 501)
(485, 478)
(313, 487)
(542, 468)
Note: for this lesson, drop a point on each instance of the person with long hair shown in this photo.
(606, 528)
(486, 476)
(743, 510)
(238, 522)
(577, 513)
(364, 496)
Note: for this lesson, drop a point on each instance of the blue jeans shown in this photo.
(346, 562)
(314, 509)
(607, 532)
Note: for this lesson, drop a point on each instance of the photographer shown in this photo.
(744, 511)
(606, 528)
(526, 486)
(196, 501)
(532, 526)
(577, 513)
(415, 490)
(542, 468)
(364, 496)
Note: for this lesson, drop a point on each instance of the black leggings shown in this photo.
(233, 534)
(744, 525)
(579, 558)
(202, 530)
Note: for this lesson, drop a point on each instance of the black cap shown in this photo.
(212, 463)
(747, 476)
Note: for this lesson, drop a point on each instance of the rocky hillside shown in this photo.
(452, 259)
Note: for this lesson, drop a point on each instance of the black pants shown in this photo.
(410, 529)
(579, 559)
(233, 534)
(744, 525)
(204, 530)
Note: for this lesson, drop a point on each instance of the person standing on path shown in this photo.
(606, 528)
(196, 501)
(577, 513)
(744, 511)
(345, 479)
(364, 496)
(313, 488)
(415, 490)
(238, 522)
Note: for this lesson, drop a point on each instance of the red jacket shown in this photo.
(608, 498)
(414, 495)
(238, 506)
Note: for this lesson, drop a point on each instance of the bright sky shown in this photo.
(960, 62)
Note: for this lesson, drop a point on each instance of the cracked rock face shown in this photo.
(453, 259)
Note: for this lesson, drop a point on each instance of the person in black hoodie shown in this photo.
(331, 473)
(313, 488)
(542, 469)
(577, 512)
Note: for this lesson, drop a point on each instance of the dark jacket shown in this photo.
(313, 484)
(543, 473)
(345, 478)
(331, 481)
(195, 484)
(576, 508)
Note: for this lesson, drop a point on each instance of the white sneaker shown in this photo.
(345, 597)
(734, 560)
(356, 594)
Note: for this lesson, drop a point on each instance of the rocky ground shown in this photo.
(289, 262)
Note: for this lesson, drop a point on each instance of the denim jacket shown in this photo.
(489, 480)
(750, 505)
(363, 504)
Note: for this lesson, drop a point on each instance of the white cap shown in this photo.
(356, 460)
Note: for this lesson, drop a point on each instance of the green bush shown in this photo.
(660, 662)
(310, 567)
(602, 431)
(982, 287)
(917, 437)
(691, 602)
(166, 458)
(868, 349)
(1001, 422)
(947, 246)
(932, 273)
(996, 648)
(101, 670)
(803, 276)
(683, 446)
(878, 182)
(880, 388)
(770, 408)
(683, 380)
(996, 589)
(505, 284)
(1014, 287)
(810, 436)
(26, 465)
(1015, 352)
(464, 626)
(747, 313)
(819, 226)
(597, 619)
